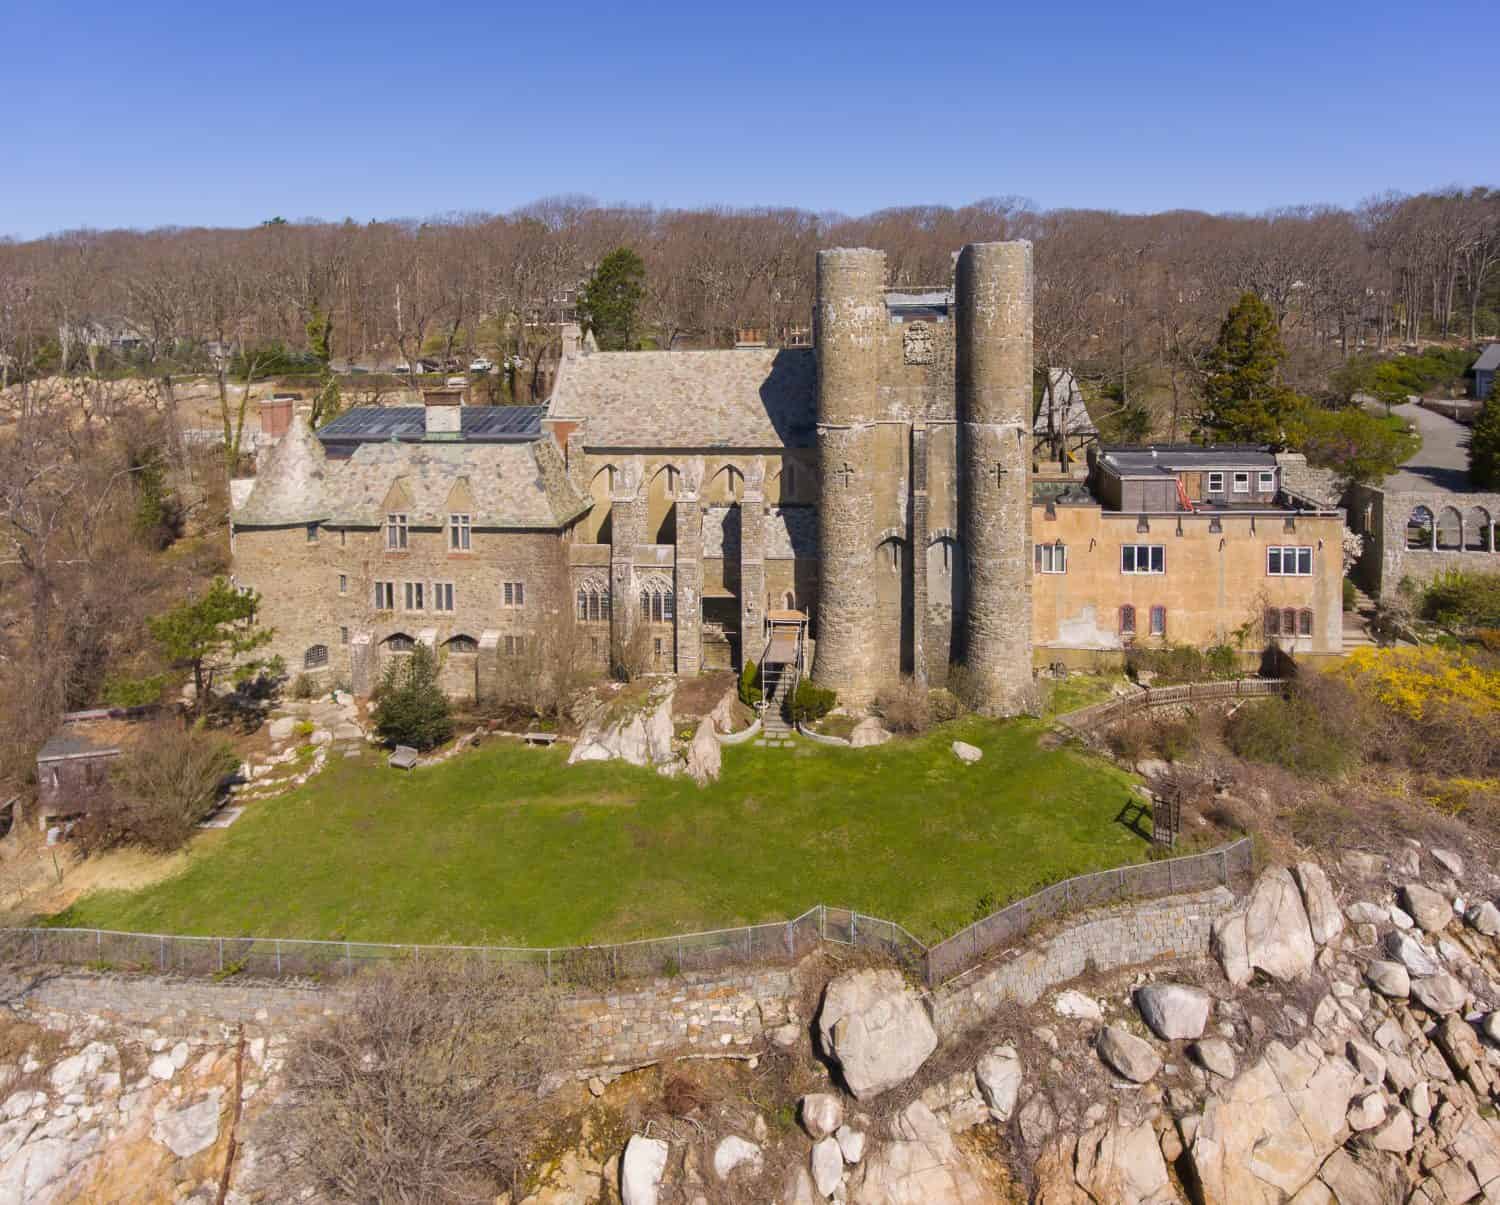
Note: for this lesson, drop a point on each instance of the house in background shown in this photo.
(74, 765)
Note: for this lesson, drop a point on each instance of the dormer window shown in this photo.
(395, 533)
(460, 531)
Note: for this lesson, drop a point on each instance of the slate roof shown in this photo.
(479, 424)
(1489, 359)
(73, 740)
(289, 485)
(511, 484)
(747, 398)
(1177, 458)
(508, 484)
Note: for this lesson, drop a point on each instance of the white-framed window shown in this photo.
(442, 596)
(385, 596)
(460, 531)
(1242, 483)
(1283, 560)
(1216, 483)
(415, 596)
(343, 583)
(515, 594)
(1052, 558)
(395, 533)
(1158, 621)
(1266, 481)
(1143, 558)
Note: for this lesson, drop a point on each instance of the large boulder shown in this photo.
(1484, 917)
(704, 757)
(1429, 909)
(641, 1170)
(1123, 1166)
(1440, 994)
(1227, 941)
(1214, 1054)
(827, 1165)
(190, 1130)
(1174, 1011)
(822, 1114)
(1410, 953)
(1324, 917)
(1278, 939)
(998, 1074)
(922, 1166)
(1264, 1135)
(1389, 978)
(1128, 1055)
(643, 737)
(876, 1029)
(868, 732)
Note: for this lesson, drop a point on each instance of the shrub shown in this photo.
(1176, 739)
(1464, 600)
(1317, 730)
(750, 691)
(945, 705)
(1222, 661)
(1174, 663)
(303, 687)
(426, 1089)
(410, 706)
(811, 703)
(904, 707)
(1350, 598)
(158, 791)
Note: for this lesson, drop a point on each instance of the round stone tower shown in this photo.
(993, 290)
(849, 318)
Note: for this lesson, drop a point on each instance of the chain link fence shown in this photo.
(595, 967)
(1229, 865)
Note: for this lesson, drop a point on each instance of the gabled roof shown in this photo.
(1489, 359)
(288, 488)
(508, 485)
(746, 398)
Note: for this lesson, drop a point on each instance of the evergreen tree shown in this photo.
(410, 706)
(212, 633)
(1484, 446)
(611, 298)
(1244, 399)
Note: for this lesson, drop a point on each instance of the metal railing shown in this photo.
(1085, 719)
(590, 967)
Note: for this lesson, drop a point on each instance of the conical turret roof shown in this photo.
(289, 487)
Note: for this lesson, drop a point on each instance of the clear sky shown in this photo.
(149, 113)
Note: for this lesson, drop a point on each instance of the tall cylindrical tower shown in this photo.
(849, 318)
(993, 369)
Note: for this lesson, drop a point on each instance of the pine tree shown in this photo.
(1244, 399)
(611, 298)
(410, 707)
(1484, 446)
(212, 633)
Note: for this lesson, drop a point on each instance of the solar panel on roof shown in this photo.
(481, 423)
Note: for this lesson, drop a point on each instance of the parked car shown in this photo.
(481, 364)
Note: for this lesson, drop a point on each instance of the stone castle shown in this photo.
(857, 511)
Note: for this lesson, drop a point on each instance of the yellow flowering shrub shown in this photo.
(1417, 682)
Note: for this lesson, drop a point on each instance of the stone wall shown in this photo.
(1381, 517)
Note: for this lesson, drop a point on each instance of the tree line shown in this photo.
(1132, 301)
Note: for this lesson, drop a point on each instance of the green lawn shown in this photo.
(505, 845)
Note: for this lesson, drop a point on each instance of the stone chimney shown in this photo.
(572, 339)
(443, 407)
(275, 416)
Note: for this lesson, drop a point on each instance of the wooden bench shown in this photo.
(404, 758)
(545, 739)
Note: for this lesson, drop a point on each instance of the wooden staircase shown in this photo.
(781, 667)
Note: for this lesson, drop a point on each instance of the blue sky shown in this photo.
(152, 114)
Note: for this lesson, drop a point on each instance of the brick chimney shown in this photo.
(443, 406)
(275, 416)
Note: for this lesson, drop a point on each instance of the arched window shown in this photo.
(669, 479)
(1127, 620)
(593, 598)
(890, 555)
(1304, 622)
(315, 657)
(789, 601)
(1288, 621)
(1158, 621)
(1419, 529)
(399, 642)
(1477, 530)
(1450, 528)
(461, 644)
(658, 604)
(1273, 622)
(728, 485)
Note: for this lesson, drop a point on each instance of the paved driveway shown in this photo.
(1443, 462)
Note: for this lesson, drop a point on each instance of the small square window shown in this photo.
(1216, 483)
(1266, 482)
(514, 594)
(1242, 483)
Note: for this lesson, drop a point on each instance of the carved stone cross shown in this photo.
(1000, 471)
(847, 474)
